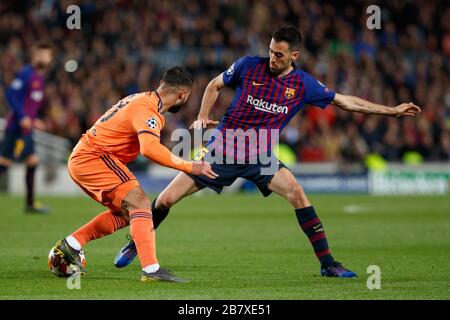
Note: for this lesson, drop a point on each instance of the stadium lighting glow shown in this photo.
(71, 66)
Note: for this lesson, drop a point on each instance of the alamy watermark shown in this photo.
(231, 146)
(374, 280)
(74, 281)
(73, 22)
(374, 20)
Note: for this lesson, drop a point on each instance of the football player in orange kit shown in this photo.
(97, 165)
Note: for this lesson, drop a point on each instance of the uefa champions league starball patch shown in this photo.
(152, 123)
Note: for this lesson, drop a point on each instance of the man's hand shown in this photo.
(39, 124)
(407, 109)
(203, 169)
(26, 123)
(202, 123)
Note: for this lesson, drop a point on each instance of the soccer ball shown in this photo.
(60, 267)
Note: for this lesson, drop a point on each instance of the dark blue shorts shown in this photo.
(228, 173)
(17, 146)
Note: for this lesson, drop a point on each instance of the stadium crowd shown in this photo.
(124, 46)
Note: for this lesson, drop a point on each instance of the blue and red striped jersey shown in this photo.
(263, 101)
(25, 96)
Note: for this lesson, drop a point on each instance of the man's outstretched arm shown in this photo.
(151, 148)
(208, 100)
(355, 104)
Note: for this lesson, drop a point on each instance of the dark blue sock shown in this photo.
(29, 179)
(158, 215)
(311, 225)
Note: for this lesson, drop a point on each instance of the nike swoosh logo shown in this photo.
(257, 84)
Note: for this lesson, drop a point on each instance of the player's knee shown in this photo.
(136, 199)
(296, 196)
(122, 214)
(143, 202)
(32, 161)
(165, 201)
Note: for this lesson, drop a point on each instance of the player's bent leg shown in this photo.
(102, 225)
(285, 184)
(122, 214)
(133, 199)
(70, 248)
(137, 204)
(105, 186)
(181, 186)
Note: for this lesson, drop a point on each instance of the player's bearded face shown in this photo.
(180, 102)
(281, 57)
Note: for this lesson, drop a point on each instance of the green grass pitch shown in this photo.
(241, 247)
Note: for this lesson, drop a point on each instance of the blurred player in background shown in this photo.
(25, 96)
(97, 165)
(269, 92)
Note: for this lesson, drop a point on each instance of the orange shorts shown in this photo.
(103, 177)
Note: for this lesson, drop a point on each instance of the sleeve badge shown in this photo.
(152, 123)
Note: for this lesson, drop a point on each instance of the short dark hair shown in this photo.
(178, 77)
(290, 35)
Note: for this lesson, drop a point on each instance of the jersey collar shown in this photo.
(159, 101)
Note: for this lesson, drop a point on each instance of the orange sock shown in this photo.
(143, 234)
(103, 224)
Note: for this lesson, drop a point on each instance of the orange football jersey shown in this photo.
(116, 132)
